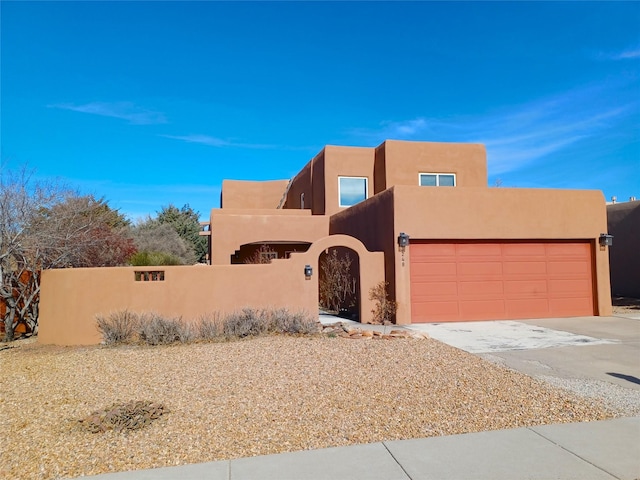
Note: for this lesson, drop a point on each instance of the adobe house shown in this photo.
(473, 252)
(418, 215)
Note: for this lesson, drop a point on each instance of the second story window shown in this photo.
(352, 190)
(437, 179)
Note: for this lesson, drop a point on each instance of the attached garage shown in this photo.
(491, 280)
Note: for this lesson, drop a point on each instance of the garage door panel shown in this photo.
(569, 286)
(454, 281)
(480, 268)
(569, 267)
(479, 288)
(431, 270)
(436, 289)
(537, 307)
(482, 308)
(478, 249)
(525, 267)
(526, 287)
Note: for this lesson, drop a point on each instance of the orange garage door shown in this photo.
(456, 281)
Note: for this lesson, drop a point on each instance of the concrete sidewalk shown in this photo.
(583, 451)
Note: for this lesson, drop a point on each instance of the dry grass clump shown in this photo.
(153, 329)
(124, 416)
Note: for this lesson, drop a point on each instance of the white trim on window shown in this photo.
(366, 191)
(437, 177)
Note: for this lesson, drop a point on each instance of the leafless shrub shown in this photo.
(385, 308)
(155, 329)
(247, 322)
(283, 321)
(118, 327)
(337, 285)
(209, 327)
(263, 255)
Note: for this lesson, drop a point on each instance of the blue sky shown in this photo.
(151, 103)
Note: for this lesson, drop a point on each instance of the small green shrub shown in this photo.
(150, 259)
(118, 327)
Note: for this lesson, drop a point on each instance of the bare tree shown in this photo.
(46, 226)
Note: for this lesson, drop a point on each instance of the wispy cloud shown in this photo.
(626, 54)
(123, 110)
(217, 142)
(517, 136)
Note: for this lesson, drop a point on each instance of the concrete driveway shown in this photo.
(593, 356)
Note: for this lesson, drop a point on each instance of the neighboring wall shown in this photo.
(245, 194)
(623, 220)
(232, 228)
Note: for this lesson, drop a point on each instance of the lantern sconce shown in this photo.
(403, 243)
(403, 240)
(606, 240)
(308, 271)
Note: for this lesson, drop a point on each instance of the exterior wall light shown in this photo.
(308, 271)
(403, 240)
(606, 240)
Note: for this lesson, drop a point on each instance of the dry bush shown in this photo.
(155, 329)
(247, 322)
(127, 416)
(118, 327)
(283, 321)
(209, 327)
(263, 255)
(337, 285)
(384, 309)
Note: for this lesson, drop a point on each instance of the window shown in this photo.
(302, 201)
(149, 276)
(437, 179)
(351, 190)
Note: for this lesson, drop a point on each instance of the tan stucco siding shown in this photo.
(345, 162)
(404, 161)
(245, 194)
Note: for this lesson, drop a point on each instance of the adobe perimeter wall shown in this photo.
(71, 298)
(623, 220)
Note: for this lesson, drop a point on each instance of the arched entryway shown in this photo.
(339, 290)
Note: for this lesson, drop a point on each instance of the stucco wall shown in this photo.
(246, 194)
(401, 162)
(232, 228)
(349, 162)
(623, 220)
(300, 184)
(71, 298)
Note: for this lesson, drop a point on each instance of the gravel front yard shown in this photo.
(254, 397)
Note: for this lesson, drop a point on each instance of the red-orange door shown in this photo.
(466, 280)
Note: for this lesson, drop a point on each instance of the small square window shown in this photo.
(352, 190)
(437, 179)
